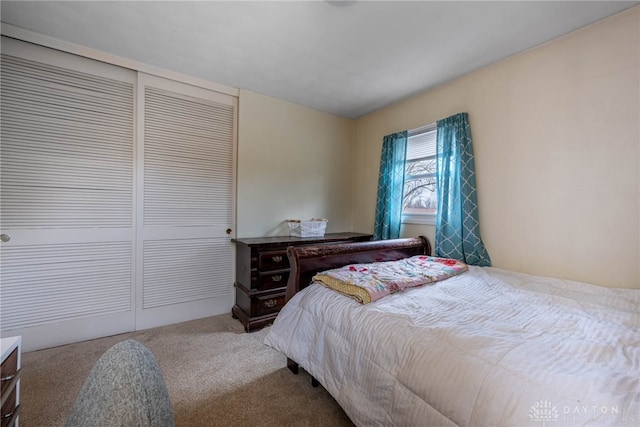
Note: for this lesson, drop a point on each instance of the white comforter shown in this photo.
(487, 348)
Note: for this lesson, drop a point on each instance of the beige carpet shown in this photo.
(216, 374)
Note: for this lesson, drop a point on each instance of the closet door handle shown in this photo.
(5, 237)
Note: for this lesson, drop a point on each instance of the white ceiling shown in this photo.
(348, 59)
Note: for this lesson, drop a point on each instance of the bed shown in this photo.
(488, 347)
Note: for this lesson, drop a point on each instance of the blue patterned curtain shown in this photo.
(457, 226)
(390, 187)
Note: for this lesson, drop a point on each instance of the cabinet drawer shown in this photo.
(9, 370)
(273, 260)
(268, 304)
(276, 279)
(255, 305)
(9, 378)
(9, 408)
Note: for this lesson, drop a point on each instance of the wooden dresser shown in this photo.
(10, 373)
(262, 271)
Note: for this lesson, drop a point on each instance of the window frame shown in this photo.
(419, 218)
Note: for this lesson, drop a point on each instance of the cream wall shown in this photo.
(556, 133)
(293, 162)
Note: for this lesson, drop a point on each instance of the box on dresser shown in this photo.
(262, 271)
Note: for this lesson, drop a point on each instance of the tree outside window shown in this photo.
(420, 200)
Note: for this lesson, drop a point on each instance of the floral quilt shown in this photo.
(369, 282)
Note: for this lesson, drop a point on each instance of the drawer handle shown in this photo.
(276, 258)
(14, 380)
(270, 303)
(13, 416)
(276, 278)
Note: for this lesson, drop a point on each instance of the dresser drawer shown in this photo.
(273, 280)
(9, 410)
(273, 260)
(266, 304)
(261, 303)
(9, 379)
(9, 370)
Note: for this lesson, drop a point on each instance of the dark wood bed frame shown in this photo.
(306, 261)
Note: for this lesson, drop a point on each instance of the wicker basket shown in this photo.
(313, 228)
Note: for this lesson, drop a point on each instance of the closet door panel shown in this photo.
(66, 198)
(187, 199)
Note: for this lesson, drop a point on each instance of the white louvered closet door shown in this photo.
(66, 196)
(186, 194)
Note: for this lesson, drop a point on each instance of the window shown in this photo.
(420, 199)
